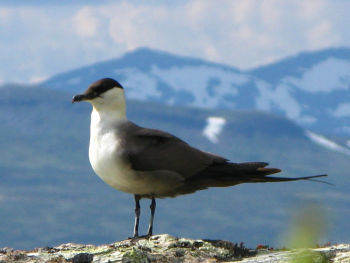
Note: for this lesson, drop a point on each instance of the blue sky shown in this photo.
(41, 38)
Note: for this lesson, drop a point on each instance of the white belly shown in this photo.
(104, 155)
(107, 164)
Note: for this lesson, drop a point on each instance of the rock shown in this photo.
(83, 258)
(166, 248)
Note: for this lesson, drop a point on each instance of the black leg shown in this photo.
(153, 209)
(137, 215)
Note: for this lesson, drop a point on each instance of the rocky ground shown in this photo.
(165, 248)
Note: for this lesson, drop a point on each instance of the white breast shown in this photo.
(105, 156)
(105, 162)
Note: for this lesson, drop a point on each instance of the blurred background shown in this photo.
(249, 80)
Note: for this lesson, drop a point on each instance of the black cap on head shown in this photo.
(97, 88)
(102, 85)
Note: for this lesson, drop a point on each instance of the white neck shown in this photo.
(108, 109)
(110, 114)
(105, 118)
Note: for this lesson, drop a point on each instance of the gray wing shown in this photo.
(151, 150)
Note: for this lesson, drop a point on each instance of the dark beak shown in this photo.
(78, 98)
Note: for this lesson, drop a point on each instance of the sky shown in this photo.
(41, 38)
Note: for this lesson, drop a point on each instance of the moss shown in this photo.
(135, 256)
(309, 256)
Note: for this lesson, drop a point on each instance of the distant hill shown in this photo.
(296, 66)
(49, 194)
(311, 88)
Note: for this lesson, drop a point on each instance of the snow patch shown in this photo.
(326, 76)
(322, 78)
(343, 110)
(74, 81)
(214, 128)
(37, 79)
(323, 141)
(139, 85)
(348, 143)
(209, 85)
(282, 98)
(195, 79)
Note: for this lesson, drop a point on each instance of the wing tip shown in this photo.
(267, 170)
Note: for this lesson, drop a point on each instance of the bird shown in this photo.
(151, 163)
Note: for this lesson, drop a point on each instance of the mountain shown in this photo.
(297, 65)
(311, 88)
(50, 195)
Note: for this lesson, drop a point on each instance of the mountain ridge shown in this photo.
(312, 89)
(274, 71)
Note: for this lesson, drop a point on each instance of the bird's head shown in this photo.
(103, 94)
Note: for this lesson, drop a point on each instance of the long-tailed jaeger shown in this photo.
(154, 164)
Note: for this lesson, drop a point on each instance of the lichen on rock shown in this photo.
(166, 248)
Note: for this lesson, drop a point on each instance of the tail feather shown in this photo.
(229, 174)
(286, 179)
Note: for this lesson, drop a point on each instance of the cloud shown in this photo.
(243, 33)
(132, 25)
(322, 35)
(6, 16)
(261, 30)
(312, 9)
(42, 41)
(85, 22)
